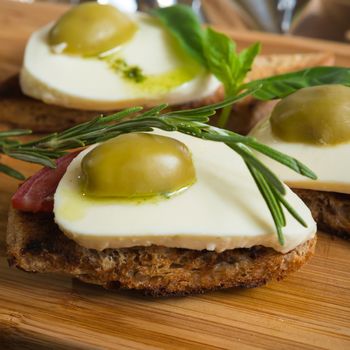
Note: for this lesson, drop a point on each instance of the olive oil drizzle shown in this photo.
(130, 72)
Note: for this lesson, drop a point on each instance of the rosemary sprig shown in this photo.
(192, 122)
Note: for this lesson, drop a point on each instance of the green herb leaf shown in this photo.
(11, 172)
(154, 111)
(282, 158)
(249, 158)
(32, 157)
(222, 59)
(122, 114)
(14, 132)
(215, 106)
(271, 200)
(213, 50)
(228, 66)
(186, 28)
(291, 210)
(246, 59)
(283, 85)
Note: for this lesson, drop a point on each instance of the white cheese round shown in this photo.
(330, 163)
(91, 83)
(222, 210)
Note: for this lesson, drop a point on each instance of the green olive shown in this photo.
(137, 165)
(317, 115)
(90, 29)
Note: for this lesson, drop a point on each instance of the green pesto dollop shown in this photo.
(156, 84)
(137, 165)
(90, 29)
(186, 68)
(318, 115)
(131, 73)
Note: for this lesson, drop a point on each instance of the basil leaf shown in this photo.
(222, 59)
(283, 85)
(246, 59)
(224, 62)
(213, 50)
(185, 26)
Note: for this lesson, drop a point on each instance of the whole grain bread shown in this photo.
(19, 110)
(35, 244)
(330, 210)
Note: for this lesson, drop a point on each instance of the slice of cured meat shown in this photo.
(36, 194)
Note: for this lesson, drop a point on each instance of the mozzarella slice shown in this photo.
(222, 210)
(328, 162)
(91, 83)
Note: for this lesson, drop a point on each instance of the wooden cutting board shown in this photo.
(310, 309)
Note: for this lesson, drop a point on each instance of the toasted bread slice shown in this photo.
(19, 110)
(35, 244)
(330, 210)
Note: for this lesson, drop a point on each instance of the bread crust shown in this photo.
(330, 210)
(35, 244)
(19, 110)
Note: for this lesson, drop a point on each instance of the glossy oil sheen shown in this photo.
(90, 29)
(317, 115)
(161, 83)
(137, 165)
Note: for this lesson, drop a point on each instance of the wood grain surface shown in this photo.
(309, 310)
